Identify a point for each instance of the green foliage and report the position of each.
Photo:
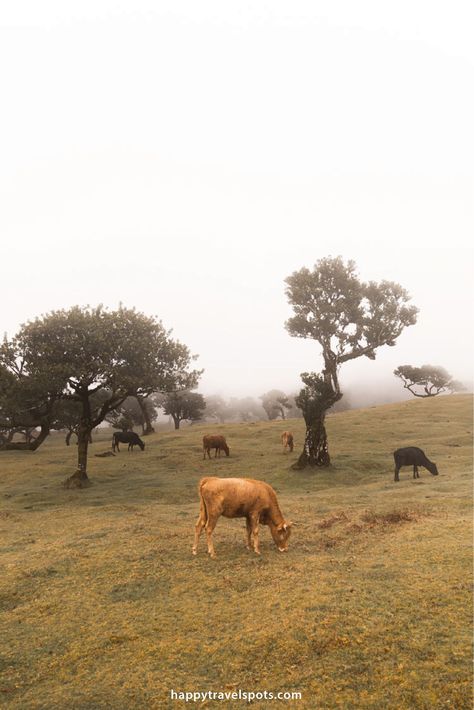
(184, 406)
(97, 358)
(316, 397)
(427, 381)
(347, 317)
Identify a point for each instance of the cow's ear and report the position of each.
(286, 525)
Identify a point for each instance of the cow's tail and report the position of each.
(202, 503)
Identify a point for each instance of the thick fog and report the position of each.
(185, 158)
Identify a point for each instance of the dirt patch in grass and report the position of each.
(331, 520)
(392, 517)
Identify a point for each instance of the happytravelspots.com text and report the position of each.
(198, 696)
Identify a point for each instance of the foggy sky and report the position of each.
(185, 158)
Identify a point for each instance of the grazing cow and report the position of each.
(214, 441)
(126, 437)
(287, 440)
(412, 455)
(255, 501)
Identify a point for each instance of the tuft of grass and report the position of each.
(104, 606)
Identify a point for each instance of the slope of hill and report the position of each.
(105, 607)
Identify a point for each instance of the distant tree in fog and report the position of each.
(275, 404)
(130, 414)
(427, 381)
(293, 412)
(349, 319)
(216, 408)
(245, 409)
(184, 405)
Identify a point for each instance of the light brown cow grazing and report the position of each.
(287, 440)
(214, 441)
(255, 501)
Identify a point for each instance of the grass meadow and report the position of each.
(102, 604)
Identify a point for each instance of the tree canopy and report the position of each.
(78, 353)
(427, 380)
(184, 405)
(349, 319)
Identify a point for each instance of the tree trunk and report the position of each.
(147, 425)
(176, 421)
(315, 451)
(25, 445)
(79, 479)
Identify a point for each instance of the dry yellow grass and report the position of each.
(103, 605)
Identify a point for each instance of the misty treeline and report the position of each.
(75, 369)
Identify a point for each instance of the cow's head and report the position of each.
(226, 449)
(432, 468)
(141, 444)
(281, 534)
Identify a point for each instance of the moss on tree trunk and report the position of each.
(315, 450)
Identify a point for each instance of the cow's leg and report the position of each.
(415, 471)
(248, 525)
(210, 525)
(197, 532)
(397, 470)
(254, 524)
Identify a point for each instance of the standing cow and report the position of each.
(287, 440)
(413, 456)
(126, 437)
(247, 498)
(214, 441)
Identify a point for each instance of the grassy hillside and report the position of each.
(103, 605)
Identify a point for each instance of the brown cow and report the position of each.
(214, 441)
(255, 501)
(287, 440)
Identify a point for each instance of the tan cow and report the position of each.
(255, 501)
(287, 440)
(214, 441)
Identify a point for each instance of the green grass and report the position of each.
(103, 605)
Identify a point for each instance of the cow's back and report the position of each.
(213, 440)
(236, 497)
(409, 455)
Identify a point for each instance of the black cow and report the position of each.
(126, 437)
(413, 456)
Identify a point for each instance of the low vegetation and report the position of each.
(104, 606)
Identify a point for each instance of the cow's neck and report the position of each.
(274, 516)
